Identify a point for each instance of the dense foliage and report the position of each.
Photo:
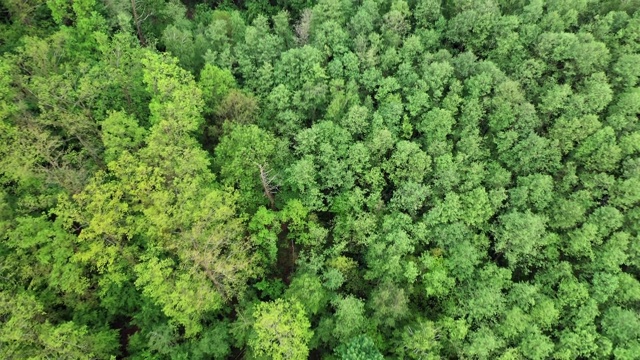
(330, 179)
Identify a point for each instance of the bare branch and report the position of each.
(303, 27)
(268, 184)
(137, 20)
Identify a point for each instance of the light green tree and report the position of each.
(281, 330)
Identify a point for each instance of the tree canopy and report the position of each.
(320, 179)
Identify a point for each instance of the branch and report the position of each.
(137, 21)
(267, 185)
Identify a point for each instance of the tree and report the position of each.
(215, 84)
(473, 24)
(484, 299)
(366, 19)
(483, 343)
(121, 133)
(521, 236)
(427, 12)
(389, 304)
(349, 318)
(419, 340)
(162, 194)
(145, 18)
(593, 149)
(260, 46)
(396, 23)
(307, 290)
(281, 330)
(408, 163)
(26, 334)
(360, 348)
(243, 156)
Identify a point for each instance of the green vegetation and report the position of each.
(324, 179)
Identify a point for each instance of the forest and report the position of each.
(320, 179)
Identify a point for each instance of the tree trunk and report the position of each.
(137, 21)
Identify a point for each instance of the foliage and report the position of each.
(281, 331)
(338, 179)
